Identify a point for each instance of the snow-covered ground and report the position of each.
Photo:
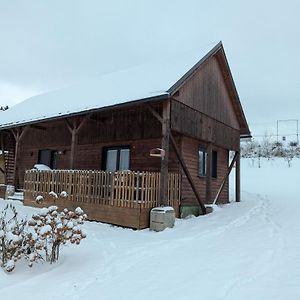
(247, 250)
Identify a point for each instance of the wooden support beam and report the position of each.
(22, 131)
(181, 161)
(187, 173)
(155, 113)
(74, 129)
(18, 134)
(69, 125)
(165, 159)
(226, 177)
(14, 132)
(238, 178)
(83, 121)
(74, 141)
(208, 172)
(39, 127)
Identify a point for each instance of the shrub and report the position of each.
(38, 238)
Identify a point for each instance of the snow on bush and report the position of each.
(38, 238)
(12, 232)
(64, 194)
(39, 199)
(54, 229)
(53, 194)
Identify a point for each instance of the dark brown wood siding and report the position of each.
(190, 154)
(206, 91)
(193, 123)
(139, 130)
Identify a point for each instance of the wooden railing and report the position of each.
(123, 189)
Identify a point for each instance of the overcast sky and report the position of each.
(49, 44)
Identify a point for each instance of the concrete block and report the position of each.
(10, 190)
(161, 218)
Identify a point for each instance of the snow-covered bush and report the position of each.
(54, 229)
(39, 199)
(53, 194)
(64, 194)
(12, 232)
(38, 238)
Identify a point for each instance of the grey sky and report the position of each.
(49, 44)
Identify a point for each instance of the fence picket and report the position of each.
(122, 188)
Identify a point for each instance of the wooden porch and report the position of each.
(123, 198)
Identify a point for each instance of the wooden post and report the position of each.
(165, 160)
(181, 160)
(17, 139)
(238, 178)
(74, 129)
(187, 174)
(226, 177)
(73, 147)
(18, 134)
(208, 172)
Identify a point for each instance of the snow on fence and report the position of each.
(123, 188)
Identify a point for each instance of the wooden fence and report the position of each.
(123, 189)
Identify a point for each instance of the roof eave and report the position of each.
(177, 84)
(161, 97)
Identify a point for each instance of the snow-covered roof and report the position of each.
(137, 83)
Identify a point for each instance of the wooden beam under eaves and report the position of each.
(39, 127)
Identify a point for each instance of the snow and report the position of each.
(46, 229)
(247, 250)
(163, 209)
(53, 194)
(39, 198)
(64, 194)
(41, 167)
(140, 82)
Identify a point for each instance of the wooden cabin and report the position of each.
(129, 141)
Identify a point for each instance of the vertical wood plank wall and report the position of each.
(206, 91)
(190, 154)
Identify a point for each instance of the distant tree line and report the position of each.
(266, 148)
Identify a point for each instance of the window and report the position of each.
(203, 162)
(214, 166)
(116, 158)
(47, 157)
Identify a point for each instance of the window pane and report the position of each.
(214, 164)
(124, 159)
(202, 162)
(111, 160)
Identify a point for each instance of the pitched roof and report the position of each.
(139, 83)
